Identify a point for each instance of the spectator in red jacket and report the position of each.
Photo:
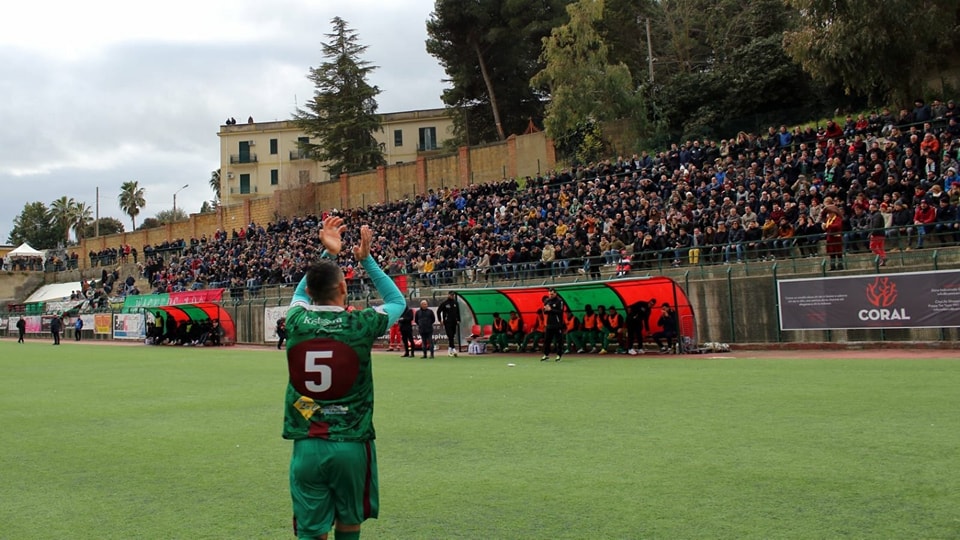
(923, 219)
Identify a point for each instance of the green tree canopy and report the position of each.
(62, 212)
(150, 223)
(107, 226)
(37, 226)
(583, 86)
(215, 186)
(884, 50)
(342, 115)
(172, 216)
(82, 216)
(490, 49)
(131, 200)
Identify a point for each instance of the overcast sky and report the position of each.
(96, 93)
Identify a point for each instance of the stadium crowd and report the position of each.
(698, 202)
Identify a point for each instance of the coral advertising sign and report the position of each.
(910, 300)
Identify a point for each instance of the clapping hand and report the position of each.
(331, 234)
(366, 239)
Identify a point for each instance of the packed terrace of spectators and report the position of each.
(699, 202)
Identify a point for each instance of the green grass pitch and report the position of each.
(145, 442)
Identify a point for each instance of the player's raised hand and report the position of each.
(331, 234)
(366, 240)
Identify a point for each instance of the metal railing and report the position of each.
(242, 158)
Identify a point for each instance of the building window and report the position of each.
(398, 137)
(273, 147)
(274, 177)
(301, 151)
(244, 184)
(428, 139)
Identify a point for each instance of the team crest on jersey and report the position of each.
(306, 407)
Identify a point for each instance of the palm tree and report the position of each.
(131, 200)
(215, 186)
(82, 217)
(61, 210)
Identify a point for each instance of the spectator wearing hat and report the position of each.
(950, 178)
(832, 218)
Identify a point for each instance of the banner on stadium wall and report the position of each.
(88, 321)
(101, 323)
(129, 326)
(270, 317)
(131, 303)
(33, 324)
(45, 324)
(908, 300)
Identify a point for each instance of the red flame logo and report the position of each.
(882, 292)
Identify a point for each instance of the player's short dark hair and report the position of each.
(323, 278)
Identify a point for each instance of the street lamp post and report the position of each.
(185, 186)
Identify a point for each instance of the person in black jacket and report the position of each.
(21, 329)
(553, 310)
(638, 322)
(669, 325)
(56, 325)
(406, 332)
(281, 332)
(425, 319)
(449, 314)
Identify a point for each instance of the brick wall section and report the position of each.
(345, 190)
(511, 157)
(401, 181)
(382, 182)
(488, 163)
(421, 174)
(463, 166)
(443, 171)
(523, 155)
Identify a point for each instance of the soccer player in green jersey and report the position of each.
(329, 400)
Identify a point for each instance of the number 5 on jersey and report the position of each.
(323, 369)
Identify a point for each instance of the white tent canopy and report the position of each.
(54, 292)
(24, 250)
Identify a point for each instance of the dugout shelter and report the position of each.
(197, 313)
(479, 304)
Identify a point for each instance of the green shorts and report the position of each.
(332, 481)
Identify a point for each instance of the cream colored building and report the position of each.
(259, 158)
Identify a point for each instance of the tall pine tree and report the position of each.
(342, 115)
(489, 50)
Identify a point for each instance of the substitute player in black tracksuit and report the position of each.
(449, 314)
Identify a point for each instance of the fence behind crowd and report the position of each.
(737, 303)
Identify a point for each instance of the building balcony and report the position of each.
(242, 158)
(298, 154)
(240, 191)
